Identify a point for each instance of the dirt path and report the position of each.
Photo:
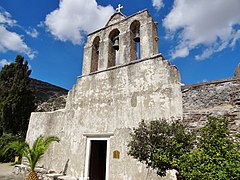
(6, 172)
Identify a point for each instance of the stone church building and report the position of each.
(124, 80)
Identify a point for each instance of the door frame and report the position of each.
(88, 153)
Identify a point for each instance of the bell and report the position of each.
(116, 43)
(97, 49)
(137, 37)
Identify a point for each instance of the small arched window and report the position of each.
(113, 48)
(135, 40)
(95, 54)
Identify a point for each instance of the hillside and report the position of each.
(48, 97)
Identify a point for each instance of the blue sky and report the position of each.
(200, 37)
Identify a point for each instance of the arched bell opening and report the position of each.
(113, 48)
(135, 40)
(95, 54)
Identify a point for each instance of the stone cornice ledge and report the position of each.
(127, 64)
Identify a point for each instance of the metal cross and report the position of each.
(119, 8)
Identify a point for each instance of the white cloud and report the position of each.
(11, 40)
(180, 52)
(74, 18)
(41, 24)
(6, 18)
(32, 32)
(235, 38)
(3, 62)
(201, 23)
(157, 4)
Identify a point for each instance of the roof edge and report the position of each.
(127, 17)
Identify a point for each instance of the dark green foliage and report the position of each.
(16, 98)
(160, 144)
(163, 146)
(5, 140)
(216, 155)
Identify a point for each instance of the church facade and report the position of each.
(124, 80)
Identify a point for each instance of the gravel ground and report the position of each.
(6, 172)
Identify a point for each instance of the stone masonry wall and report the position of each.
(215, 98)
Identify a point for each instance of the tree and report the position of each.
(216, 155)
(160, 144)
(33, 154)
(16, 97)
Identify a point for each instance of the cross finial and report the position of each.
(119, 8)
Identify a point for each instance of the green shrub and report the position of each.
(159, 144)
(216, 155)
(5, 140)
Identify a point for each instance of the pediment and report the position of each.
(116, 17)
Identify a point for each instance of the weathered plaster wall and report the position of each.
(111, 101)
(140, 90)
(216, 98)
(108, 103)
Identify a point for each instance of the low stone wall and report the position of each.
(219, 98)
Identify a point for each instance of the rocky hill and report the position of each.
(48, 97)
